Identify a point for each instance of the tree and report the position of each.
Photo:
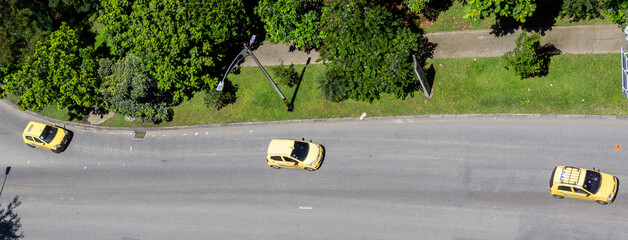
(525, 58)
(10, 222)
(292, 22)
(19, 34)
(516, 9)
(580, 9)
(369, 48)
(179, 42)
(616, 10)
(60, 72)
(128, 90)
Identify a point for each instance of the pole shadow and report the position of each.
(296, 89)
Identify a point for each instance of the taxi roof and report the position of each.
(34, 128)
(281, 146)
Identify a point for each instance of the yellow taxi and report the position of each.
(288, 153)
(584, 184)
(46, 136)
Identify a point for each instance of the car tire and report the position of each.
(310, 169)
(275, 167)
(601, 202)
(30, 145)
(55, 151)
(558, 196)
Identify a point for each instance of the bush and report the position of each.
(285, 75)
(334, 88)
(220, 99)
(525, 58)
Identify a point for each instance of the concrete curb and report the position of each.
(356, 119)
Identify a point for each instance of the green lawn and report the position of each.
(576, 84)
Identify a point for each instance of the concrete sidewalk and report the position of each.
(589, 39)
(586, 39)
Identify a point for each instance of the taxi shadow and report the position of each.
(323, 157)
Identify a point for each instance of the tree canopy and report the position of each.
(178, 41)
(60, 72)
(19, 33)
(516, 9)
(369, 48)
(292, 22)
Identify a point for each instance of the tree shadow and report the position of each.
(76, 112)
(545, 53)
(432, 9)
(426, 51)
(296, 89)
(10, 221)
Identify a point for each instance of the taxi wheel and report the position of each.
(30, 145)
(601, 202)
(558, 196)
(275, 167)
(310, 169)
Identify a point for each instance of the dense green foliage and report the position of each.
(179, 42)
(616, 10)
(24, 23)
(524, 59)
(128, 90)
(580, 9)
(369, 48)
(292, 22)
(516, 9)
(18, 34)
(60, 72)
(10, 221)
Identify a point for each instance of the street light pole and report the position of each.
(6, 173)
(238, 60)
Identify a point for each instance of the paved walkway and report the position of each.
(589, 39)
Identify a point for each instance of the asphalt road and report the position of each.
(392, 178)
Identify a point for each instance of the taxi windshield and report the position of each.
(48, 134)
(592, 181)
(300, 149)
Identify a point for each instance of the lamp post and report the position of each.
(6, 173)
(238, 60)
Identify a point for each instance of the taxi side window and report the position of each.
(564, 188)
(29, 138)
(578, 190)
(276, 158)
(37, 140)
